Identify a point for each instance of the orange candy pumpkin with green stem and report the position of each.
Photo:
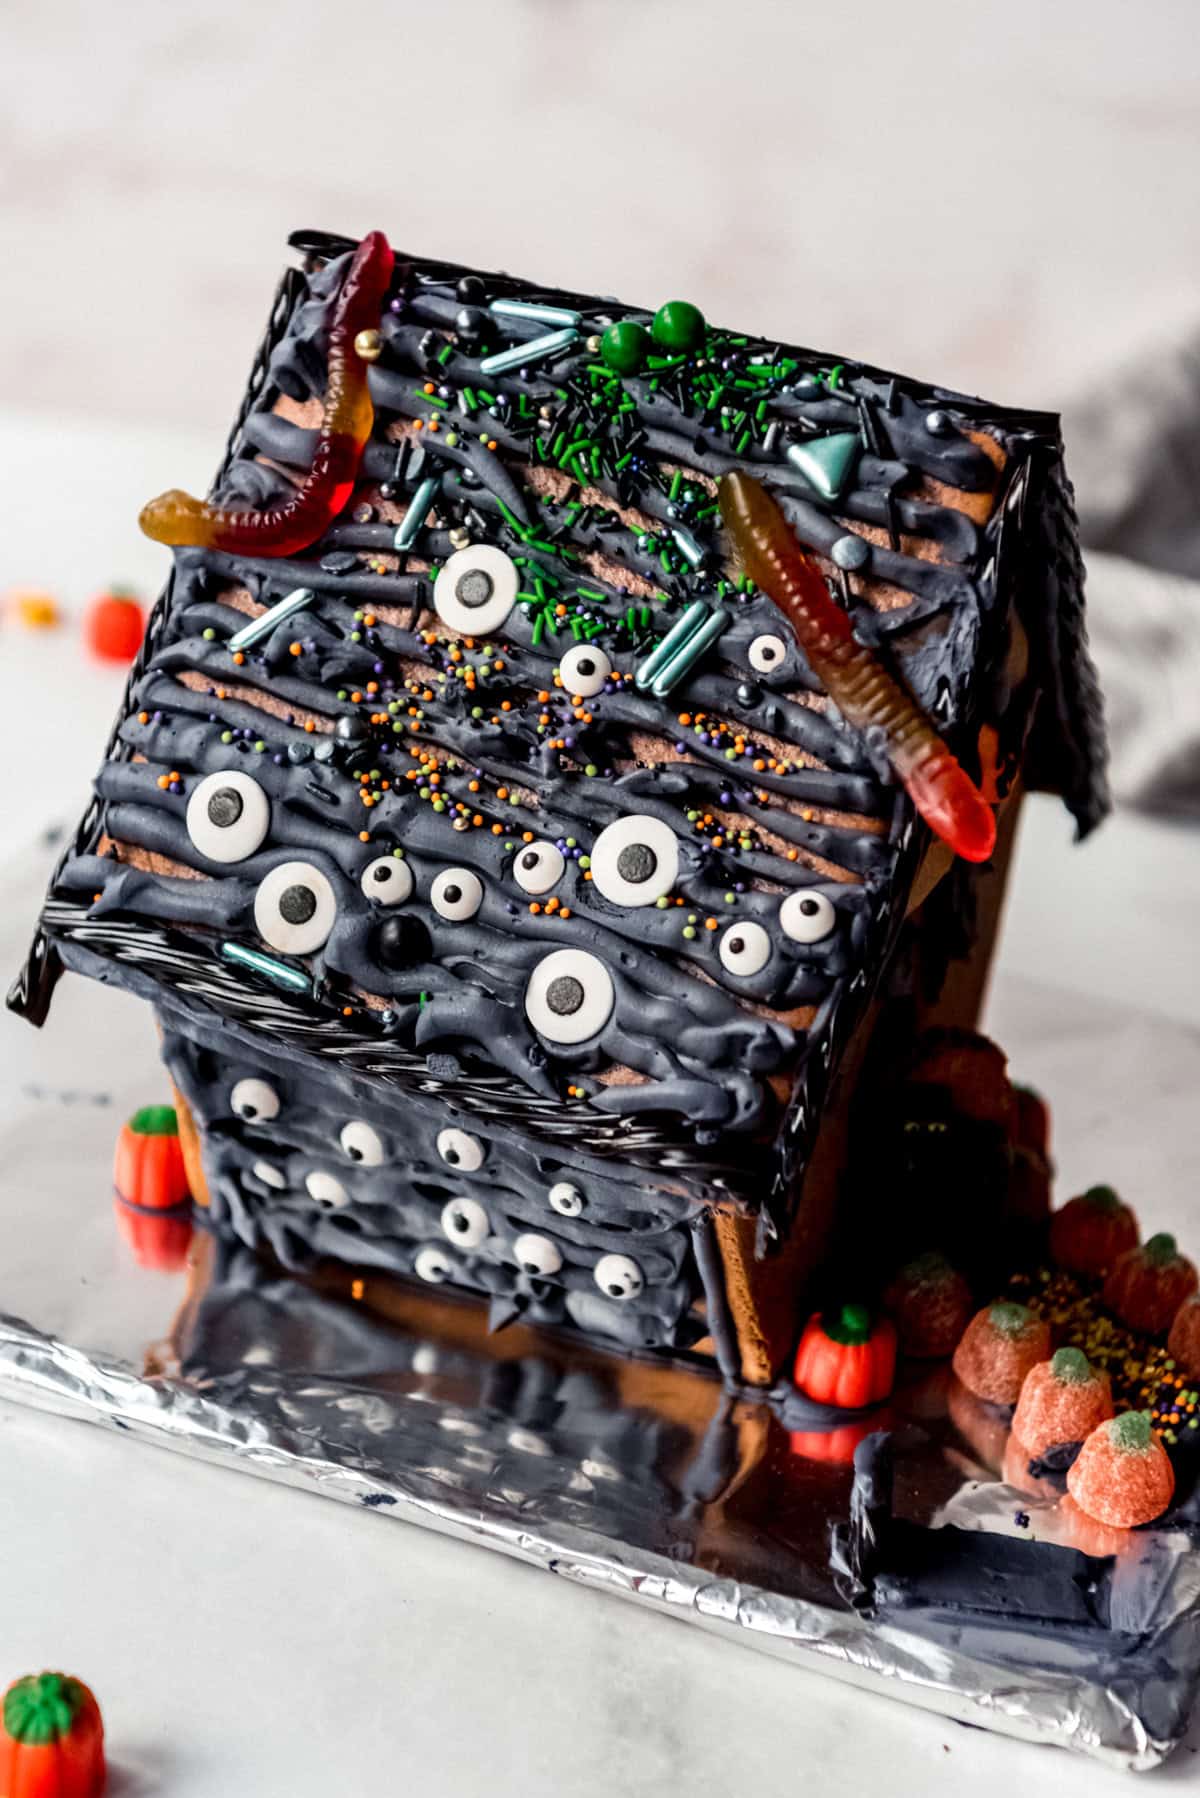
(153, 1200)
(51, 1739)
(999, 1347)
(1148, 1285)
(1122, 1475)
(1091, 1232)
(846, 1360)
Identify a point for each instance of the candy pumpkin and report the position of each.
(999, 1346)
(153, 1204)
(51, 1739)
(1123, 1476)
(845, 1360)
(1091, 1232)
(1062, 1400)
(929, 1302)
(114, 626)
(1183, 1343)
(1148, 1285)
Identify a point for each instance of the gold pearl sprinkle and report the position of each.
(369, 345)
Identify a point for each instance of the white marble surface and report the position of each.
(245, 1638)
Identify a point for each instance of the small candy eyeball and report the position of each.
(807, 916)
(432, 1264)
(537, 1254)
(326, 1190)
(465, 1222)
(361, 1143)
(635, 860)
(274, 1177)
(456, 894)
(228, 816)
(767, 653)
(459, 1149)
(254, 1100)
(570, 996)
(744, 949)
(618, 1277)
(584, 670)
(476, 589)
(566, 1199)
(387, 880)
(537, 867)
(295, 908)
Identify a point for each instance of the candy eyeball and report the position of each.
(537, 867)
(456, 894)
(767, 653)
(744, 949)
(432, 1264)
(618, 1277)
(361, 1143)
(570, 996)
(807, 917)
(228, 816)
(295, 908)
(274, 1177)
(254, 1100)
(635, 861)
(476, 589)
(465, 1222)
(459, 1149)
(387, 880)
(566, 1199)
(537, 1254)
(584, 670)
(326, 1190)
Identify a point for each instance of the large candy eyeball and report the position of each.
(744, 949)
(807, 917)
(255, 1100)
(476, 589)
(295, 908)
(433, 1264)
(537, 867)
(767, 653)
(566, 1199)
(618, 1276)
(274, 1177)
(570, 996)
(635, 861)
(361, 1143)
(456, 894)
(584, 670)
(387, 880)
(326, 1190)
(465, 1222)
(459, 1149)
(537, 1254)
(227, 817)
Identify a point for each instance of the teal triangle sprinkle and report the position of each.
(827, 462)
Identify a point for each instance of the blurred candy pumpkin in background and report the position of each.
(152, 1199)
(114, 625)
(51, 1739)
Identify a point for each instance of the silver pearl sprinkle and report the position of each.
(937, 423)
(850, 551)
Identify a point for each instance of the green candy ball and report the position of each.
(678, 326)
(624, 346)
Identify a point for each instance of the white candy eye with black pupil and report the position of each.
(537, 1254)
(766, 654)
(570, 996)
(387, 880)
(326, 1190)
(807, 917)
(456, 894)
(537, 867)
(227, 817)
(618, 1277)
(465, 1222)
(295, 908)
(566, 1199)
(255, 1100)
(476, 589)
(584, 670)
(744, 949)
(361, 1143)
(433, 1265)
(459, 1149)
(635, 861)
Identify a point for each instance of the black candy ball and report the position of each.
(470, 290)
(402, 941)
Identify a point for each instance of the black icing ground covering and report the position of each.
(379, 951)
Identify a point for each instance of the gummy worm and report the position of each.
(853, 676)
(178, 519)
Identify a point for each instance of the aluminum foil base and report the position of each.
(637, 1478)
